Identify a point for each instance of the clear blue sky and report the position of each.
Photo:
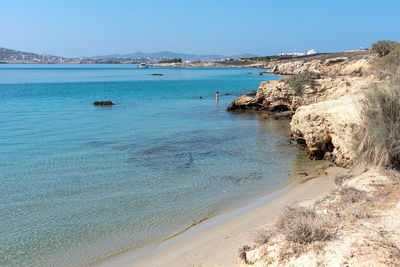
(98, 27)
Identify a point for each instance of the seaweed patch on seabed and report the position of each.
(98, 143)
(175, 155)
(240, 180)
(163, 157)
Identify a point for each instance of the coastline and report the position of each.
(203, 246)
(199, 244)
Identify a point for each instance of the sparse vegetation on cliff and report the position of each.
(383, 48)
(380, 111)
(298, 81)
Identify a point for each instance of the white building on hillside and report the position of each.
(310, 52)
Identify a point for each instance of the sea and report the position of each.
(81, 182)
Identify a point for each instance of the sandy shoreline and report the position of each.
(216, 241)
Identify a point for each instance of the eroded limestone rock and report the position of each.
(327, 128)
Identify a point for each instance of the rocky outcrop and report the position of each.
(278, 96)
(327, 129)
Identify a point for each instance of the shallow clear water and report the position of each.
(79, 181)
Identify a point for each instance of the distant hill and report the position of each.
(168, 54)
(15, 56)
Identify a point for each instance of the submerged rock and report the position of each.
(103, 103)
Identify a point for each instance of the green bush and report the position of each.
(298, 81)
(383, 48)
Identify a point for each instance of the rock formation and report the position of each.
(327, 129)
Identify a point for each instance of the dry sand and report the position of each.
(216, 241)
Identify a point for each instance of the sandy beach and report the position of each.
(216, 241)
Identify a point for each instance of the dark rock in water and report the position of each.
(254, 93)
(284, 114)
(200, 97)
(260, 73)
(226, 94)
(157, 74)
(103, 103)
(249, 73)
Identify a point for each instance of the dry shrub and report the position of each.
(380, 113)
(355, 212)
(298, 81)
(351, 195)
(262, 237)
(353, 204)
(340, 179)
(303, 226)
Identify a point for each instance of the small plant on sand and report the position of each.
(303, 226)
(298, 81)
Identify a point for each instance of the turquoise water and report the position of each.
(79, 181)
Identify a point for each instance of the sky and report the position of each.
(77, 28)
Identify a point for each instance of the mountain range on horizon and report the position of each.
(7, 54)
(169, 55)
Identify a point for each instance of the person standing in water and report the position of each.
(217, 97)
